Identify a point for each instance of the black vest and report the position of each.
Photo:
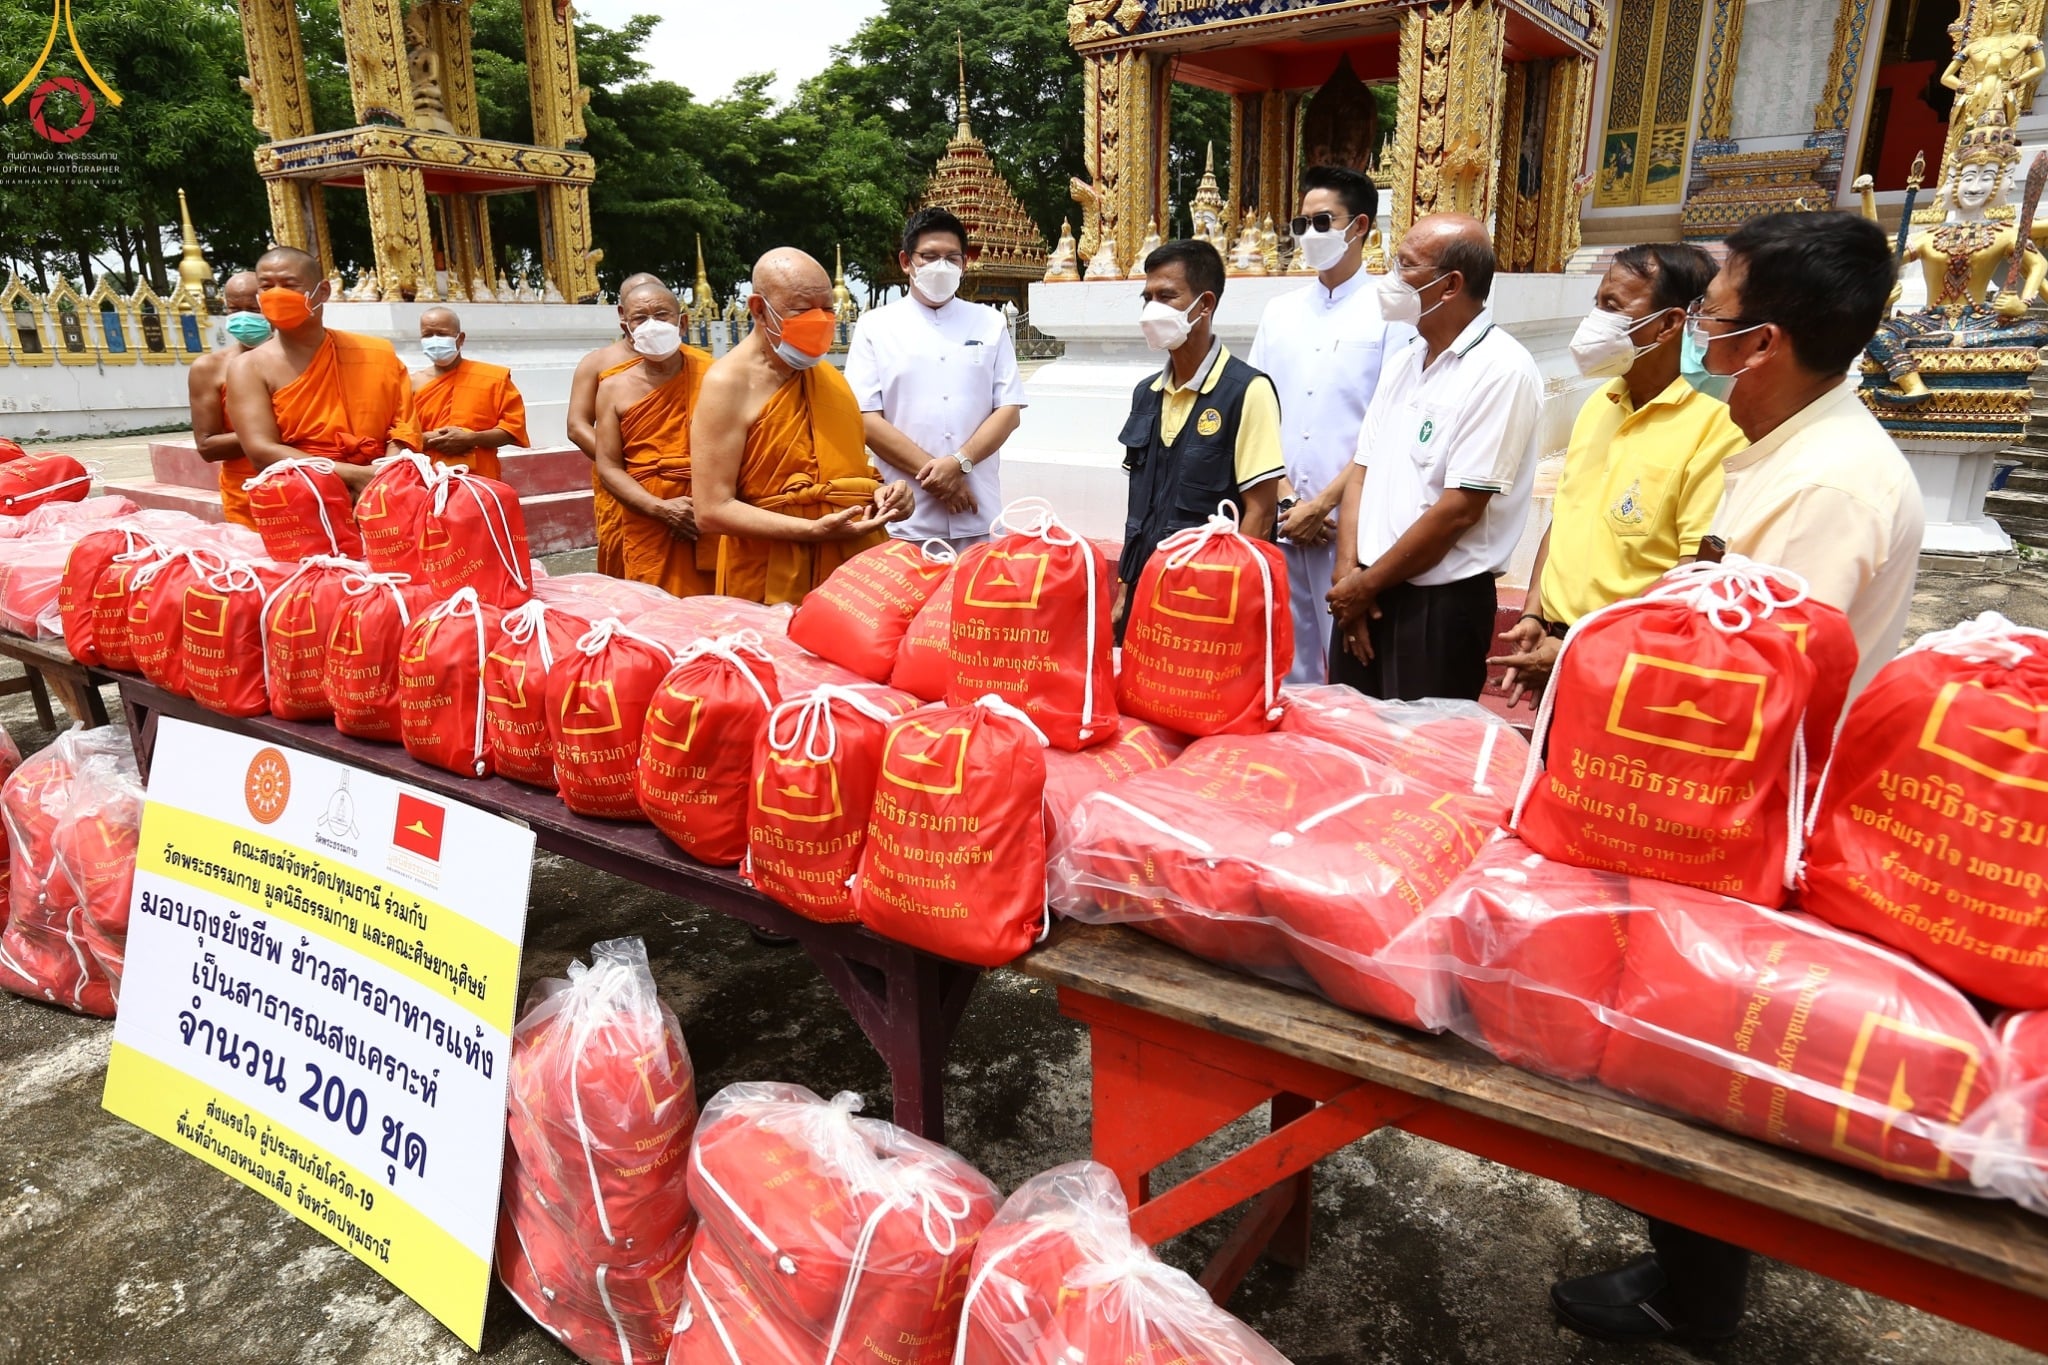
(1177, 486)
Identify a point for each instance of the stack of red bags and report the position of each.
(857, 618)
(72, 812)
(825, 1237)
(1277, 854)
(1059, 1278)
(596, 1219)
(1458, 747)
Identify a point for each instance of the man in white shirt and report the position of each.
(1439, 490)
(939, 392)
(1822, 491)
(1322, 346)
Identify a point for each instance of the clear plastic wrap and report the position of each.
(301, 507)
(1771, 1025)
(597, 596)
(1276, 854)
(31, 579)
(845, 1231)
(598, 695)
(475, 537)
(697, 750)
(107, 507)
(94, 846)
(2003, 1144)
(1058, 1279)
(603, 1105)
(1456, 746)
(676, 621)
(1136, 748)
(858, 616)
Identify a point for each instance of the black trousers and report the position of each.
(1427, 642)
(1709, 1278)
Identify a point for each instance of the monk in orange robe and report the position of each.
(781, 465)
(466, 409)
(207, 391)
(313, 391)
(591, 371)
(643, 450)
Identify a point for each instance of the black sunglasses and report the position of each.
(1320, 222)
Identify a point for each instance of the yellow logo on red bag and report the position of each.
(435, 536)
(927, 760)
(206, 613)
(353, 620)
(665, 701)
(1877, 1071)
(515, 670)
(376, 503)
(1260, 784)
(1994, 732)
(590, 708)
(805, 789)
(294, 617)
(1709, 711)
(1008, 580)
(1797, 630)
(425, 639)
(1200, 592)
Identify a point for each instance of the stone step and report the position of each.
(2022, 513)
(156, 495)
(549, 469)
(2026, 480)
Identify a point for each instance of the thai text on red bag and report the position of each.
(392, 513)
(858, 617)
(697, 752)
(475, 537)
(441, 704)
(597, 708)
(361, 676)
(221, 641)
(301, 507)
(530, 640)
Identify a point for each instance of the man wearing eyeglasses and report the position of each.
(938, 386)
(1322, 346)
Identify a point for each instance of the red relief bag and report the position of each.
(924, 661)
(1781, 1028)
(1058, 1276)
(697, 752)
(475, 537)
(298, 617)
(77, 594)
(726, 1321)
(955, 855)
(156, 613)
(1031, 625)
(1136, 748)
(1455, 746)
(1931, 829)
(301, 508)
(1210, 633)
(93, 847)
(851, 1230)
(598, 695)
(813, 789)
(221, 640)
(441, 685)
(2004, 1143)
(392, 513)
(10, 759)
(1679, 755)
(858, 617)
(361, 675)
(31, 481)
(530, 640)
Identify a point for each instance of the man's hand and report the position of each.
(1358, 639)
(1306, 523)
(1352, 598)
(354, 477)
(1532, 654)
(945, 480)
(1122, 603)
(892, 503)
(679, 515)
(895, 501)
(450, 441)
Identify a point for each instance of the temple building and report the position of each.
(1005, 248)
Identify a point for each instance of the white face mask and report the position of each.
(1324, 249)
(938, 281)
(657, 340)
(1604, 346)
(1401, 301)
(1166, 327)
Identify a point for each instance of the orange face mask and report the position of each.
(809, 331)
(284, 307)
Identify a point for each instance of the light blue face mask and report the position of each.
(249, 328)
(440, 350)
(1692, 367)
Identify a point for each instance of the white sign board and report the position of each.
(323, 969)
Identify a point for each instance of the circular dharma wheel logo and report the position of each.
(37, 116)
(268, 786)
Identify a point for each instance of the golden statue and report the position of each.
(1994, 69)
(1246, 258)
(1269, 246)
(844, 310)
(1205, 212)
(1958, 259)
(1103, 266)
(429, 108)
(1090, 200)
(1064, 263)
(1145, 248)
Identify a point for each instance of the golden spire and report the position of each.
(843, 307)
(193, 268)
(963, 132)
(703, 306)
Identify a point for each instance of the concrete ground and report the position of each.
(116, 1249)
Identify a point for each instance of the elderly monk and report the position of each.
(312, 391)
(466, 408)
(591, 371)
(643, 448)
(207, 390)
(781, 463)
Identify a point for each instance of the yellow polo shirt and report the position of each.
(1640, 488)
(1258, 453)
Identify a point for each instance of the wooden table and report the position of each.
(48, 667)
(1183, 1048)
(907, 1002)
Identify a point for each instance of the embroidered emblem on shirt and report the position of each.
(1428, 430)
(1626, 509)
(1210, 422)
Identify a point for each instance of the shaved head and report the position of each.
(438, 321)
(792, 281)
(239, 291)
(288, 264)
(632, 282)
(649, 299)
(1453, 241)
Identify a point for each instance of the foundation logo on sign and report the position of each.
(61, 108)
(416, 839)
(267, 786)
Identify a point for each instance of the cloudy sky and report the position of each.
(706, 46)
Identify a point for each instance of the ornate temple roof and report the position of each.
(967, 183)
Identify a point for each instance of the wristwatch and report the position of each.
(1285, 506)
(966, 465)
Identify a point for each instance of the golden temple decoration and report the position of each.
(1649, 105)
(1845, 56)
(1064, 261)
(1740, 185)
(1005, 249)
(1269, 246)
(1449, 109)
(1245, 256)
(194, 271)
(1205, 212)
(1145, 249)
(1724, 42)
(844, 310)
(703, 303)
(429, 105)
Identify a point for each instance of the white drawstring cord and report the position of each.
(783, 1262)
(466, 603)
(1034, 517)
(498, 527)
(601, 634)
(529, 623)
(1195, 842)
(813, 719)
(364, 583)
(1987, 638)
(1182, 547)
(732, 1352)
(300, 468)
(938, 552)
(93, 469)
(732, 650)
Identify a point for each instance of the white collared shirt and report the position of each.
(1323, 349)
(935, 374)
(1468, 421)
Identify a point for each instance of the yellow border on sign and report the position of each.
(425, 1261)
(489, 957)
